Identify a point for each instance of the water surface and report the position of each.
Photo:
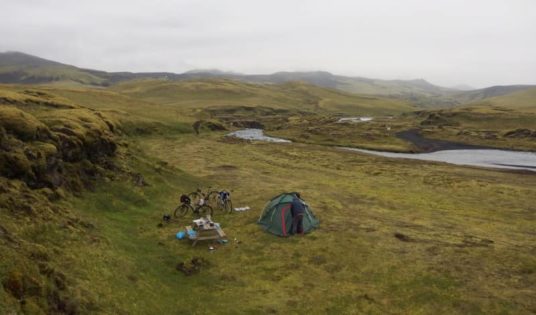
(354, 119)
(255, 134)
(473, 157)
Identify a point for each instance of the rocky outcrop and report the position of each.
(247, 124)
(521, 133)
(438, 119)
(61, 147)
(47, 149)
(208, 125)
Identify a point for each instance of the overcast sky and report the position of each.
(448, 42)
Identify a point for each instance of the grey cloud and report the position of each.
(475, 42)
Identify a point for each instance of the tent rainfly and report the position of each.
(277, 219)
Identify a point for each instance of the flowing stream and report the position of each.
(255, 134)
(473, 157)
(354, 119)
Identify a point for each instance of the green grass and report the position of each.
(487, 127)
(465, 240)
(351, 264)
(378, 134)
(296, 95)
(521, 101)
(63, 74)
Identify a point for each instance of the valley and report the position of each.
(88, 171)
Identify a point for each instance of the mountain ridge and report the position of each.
(17, 67)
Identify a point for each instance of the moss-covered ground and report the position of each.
(396, 236)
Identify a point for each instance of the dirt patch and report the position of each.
(14, 284)
(431, 145)
(473, 241)
(247, 124)
(233, 140)
(521, 133)
(139, 180)
(227, 167)
(193, 266)
(403, 237)
(437, 119)
(200, 125)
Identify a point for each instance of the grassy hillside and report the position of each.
(358, 85)
(135, 115)
(81, 229)
(506, 121)
(294, 95)
(391, 238)
(523, 101)
(468, 97)
(49, 148)
(17, 67)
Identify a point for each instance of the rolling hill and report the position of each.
(16, 67)
(82, 199)
(88, 170)
(520, 99)
(292, 95)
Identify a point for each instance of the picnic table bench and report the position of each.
(213, 233)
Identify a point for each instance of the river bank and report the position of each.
(427, 145)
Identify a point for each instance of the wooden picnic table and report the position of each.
(213, 233)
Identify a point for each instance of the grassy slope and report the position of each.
(378, 134)
(521, 101)
(472, 253)
(52, 73)
(469, 254)
(133, 113)
(53, 146)
(504, 91)
(22, 68)
(488, 122)
(301, 96)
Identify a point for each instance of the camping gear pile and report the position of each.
(203, 229)
(276, 217)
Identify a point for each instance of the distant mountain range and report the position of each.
(16, 67)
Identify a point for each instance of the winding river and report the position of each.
(255, 134)
(472, 157)
(493, 158)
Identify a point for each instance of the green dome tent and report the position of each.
(277, 219)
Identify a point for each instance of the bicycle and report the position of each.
(201, 209)
(209, 197)
(224, 202)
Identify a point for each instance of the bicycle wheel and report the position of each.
(204, 210)
(228, 206)
(181, 210)
(219, 204)
(213, 198)
(195, 197)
